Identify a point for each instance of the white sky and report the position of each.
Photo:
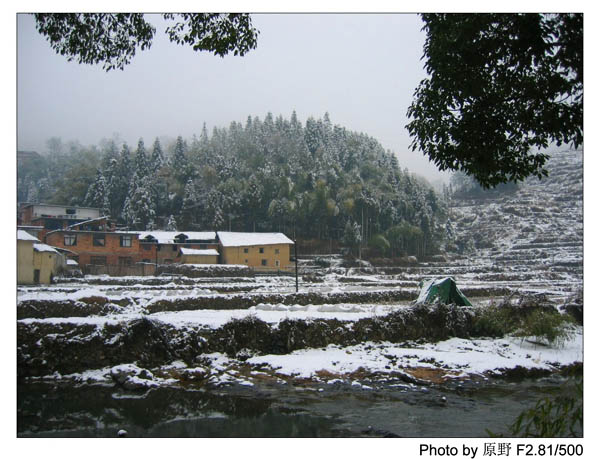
(361, 68)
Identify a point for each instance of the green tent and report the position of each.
(444, 290)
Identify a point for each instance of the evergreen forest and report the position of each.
(313, 181)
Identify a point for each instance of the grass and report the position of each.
(544, 326)
(561, 416)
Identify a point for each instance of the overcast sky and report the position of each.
(360, 68)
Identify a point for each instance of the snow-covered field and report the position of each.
(430, 361)
(527, 243)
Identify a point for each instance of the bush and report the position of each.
(547, 327)
(561, 416)
(493, 321)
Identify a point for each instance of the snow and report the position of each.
(25, 236)
(477, 356)
(71, 262)
(233, 239)
(168, 237)
(425, 290)
(211, 318)
(186, 251)
(44, 248)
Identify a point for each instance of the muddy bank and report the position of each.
(303, 299)
(193, 271)
(103, 306)
(46, 347)
(96, 305)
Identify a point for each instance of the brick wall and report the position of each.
(111, 252)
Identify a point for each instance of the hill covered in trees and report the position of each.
(315, 180)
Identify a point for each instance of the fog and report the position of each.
(362, 69)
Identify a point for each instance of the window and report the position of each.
(263, 262)
(125, 261)
(51, 224)
(70, 239)
(146, 246)
(70, 211)
(174, 248)
(245, 249)
(126, 241)
(246, 261)
(99, 240)
(98, 261)
(276, 251)
(261, 250)
(277, 263)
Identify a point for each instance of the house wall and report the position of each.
(47, 263)
(82, 213)
(200, 259)
(24, 262)
(112, 250)
(169, 253)
(115, 254)
(254, 258)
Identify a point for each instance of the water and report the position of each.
(69, 410)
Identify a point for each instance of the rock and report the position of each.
(132, 377)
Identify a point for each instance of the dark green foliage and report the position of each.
(553, 417)
(219, 33)
(500, 86)
(547, 326)
(544, 324)
(494, 322)
(273, 175)
(113, 39)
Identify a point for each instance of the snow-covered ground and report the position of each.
(532, 243)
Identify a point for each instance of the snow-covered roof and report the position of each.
(44, 248)
(87, 221)
(186, 251)
(168, 237)
(232, 239)
(25, 236)
(72, 262)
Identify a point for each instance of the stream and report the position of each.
(67, 409)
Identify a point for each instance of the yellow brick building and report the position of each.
(260, 251)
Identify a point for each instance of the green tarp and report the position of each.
(443, 290)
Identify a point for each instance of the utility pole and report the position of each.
(296, 261)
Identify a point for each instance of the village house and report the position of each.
(199, 256)
(260, 251)
(37, 263)
(98, 248)
(164, 247)
(52, 217)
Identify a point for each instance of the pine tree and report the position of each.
(157, 158)
(352, 236)
(139, 209)
(95, 196)
(141, 163)
(171, 224)
(179, 162)
(189, 205)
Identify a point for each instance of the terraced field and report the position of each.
(351, 326)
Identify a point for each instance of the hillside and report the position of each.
(314, 180)
(533, 234)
